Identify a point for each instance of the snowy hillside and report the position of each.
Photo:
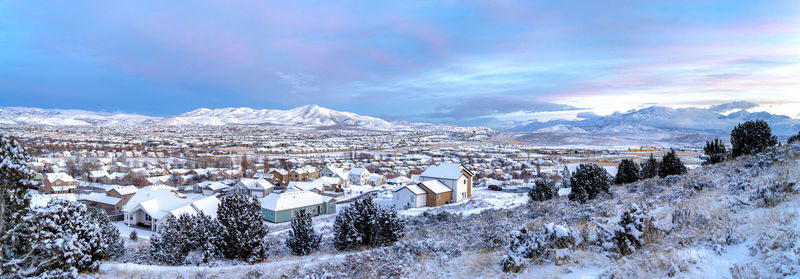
(64, 117)
(736, 219)
(308, 115)
(664, 120)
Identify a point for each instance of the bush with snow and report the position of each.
(302, 238)
(588, 182)
(629, 232)
(649, 168)
(773, 194)
(794, 139)
(543, 246)
(714, 152)
(542, 190)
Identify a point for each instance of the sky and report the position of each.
(497, 63)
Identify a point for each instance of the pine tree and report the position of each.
(670, 165)
(15, 180)
(793, 139)
(169, 245)
(112, 243)
(365, 224)
(302, 238)
(627, 172)
(628, 235)
(649, 168)
(714, 151)
(751, 137)
(588, 182)
(542, 190)
(243, 231)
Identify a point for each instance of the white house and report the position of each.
(359, 176)
(455, 176)
(213, 188)
(335, 172)
(408, 196)
(152, 205)
(258, 188)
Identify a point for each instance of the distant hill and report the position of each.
(308, 115)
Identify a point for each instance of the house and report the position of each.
(124, 193)
(358, 176)
(104, 202)
(335, 172)
(253, 187)
(214, 188)
(100, 176)
(455, 176)
(284, 207)
(59, 183)
(331, 183)
(436, 192)
(152, 205)
(408, 196)
(375, 179)
(279, 176)
(316, 186)
(400, 180)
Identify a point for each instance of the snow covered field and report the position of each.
(722, 221)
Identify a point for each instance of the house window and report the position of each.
(147, 217)
(438, 197)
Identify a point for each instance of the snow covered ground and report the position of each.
(721, 221)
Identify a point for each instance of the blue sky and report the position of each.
(497, 63)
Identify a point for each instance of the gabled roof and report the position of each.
(125, 190)
(435, 186)
(160, 201)
(358, 171)
(280, 171)
(414, 189)
(255, 184)
(445, 171)
(99, 198)
(291, 200)
(52, 177)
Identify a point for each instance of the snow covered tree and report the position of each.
(542, 190)
(15, 180)
(345, 236)
(243, 231)
(112, 243)
(671, 165)
(588, 182)
(61, 240)
(302, 238)
(649, 168)
(795, 138)
(629, 232)
(520, 249)
(170, 245)
(627, 172)
(365, 224)
(714, 152)
(751, 137)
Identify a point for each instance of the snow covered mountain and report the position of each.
(63, 117)
(657, 119)
(303, 115)
(308, 115)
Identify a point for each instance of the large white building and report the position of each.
(152, 205)
(455, 176)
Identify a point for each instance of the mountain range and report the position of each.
(657, 119)
(308, 115)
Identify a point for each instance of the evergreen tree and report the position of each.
(588, 182)
(751, 137)
(112, 243)
(795, 138)
(170, 244)
(649, 167)
(302, 238)
(714, 151)
(627, 172)
(628, 235)
(243, 231)
(542, 190)
(670, 165)
(365, 224)
(188, 239)
(15, 180)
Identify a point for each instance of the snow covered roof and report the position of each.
(98, 173)
(215, 186)
(280, 171)
(160, 201)
(328, 180)
(42, 200)
(436, 186)
(399, 179)
(52, 177)
(306, 186)
(259, 184)
(125, 190)
(357, 171)
(444, 170)
(99, 198)
(291, 200)
(414, 189)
